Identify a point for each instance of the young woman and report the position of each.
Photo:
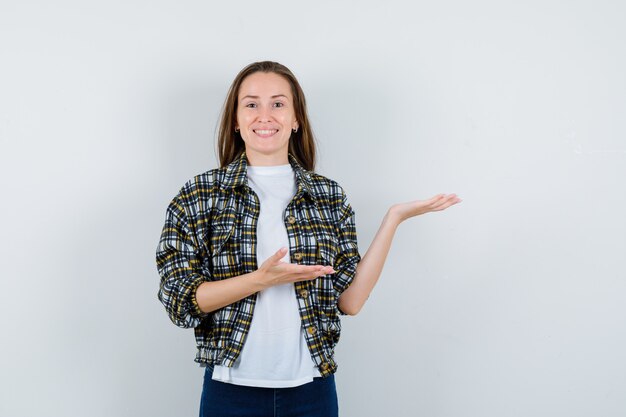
(260, 257)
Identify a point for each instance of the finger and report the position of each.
(433, 199)
(325, 269)
(444, 199)
(304, 269)
(275, 259)
(453, 202)
(318, 272)
(453, 199)
(305, 278)
(298, 269)
(280, 253)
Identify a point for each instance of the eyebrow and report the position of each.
(275, 96)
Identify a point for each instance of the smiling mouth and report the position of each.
(265, 133)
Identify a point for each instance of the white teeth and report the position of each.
(266, 132)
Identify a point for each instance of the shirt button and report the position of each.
(304, 293)
(297, 256)
(291, 219)
(311, 330)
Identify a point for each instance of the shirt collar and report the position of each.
(236, 175)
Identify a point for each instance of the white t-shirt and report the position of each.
(275, 353)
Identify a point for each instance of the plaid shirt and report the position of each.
(210, 234)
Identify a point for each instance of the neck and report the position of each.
(264, 160)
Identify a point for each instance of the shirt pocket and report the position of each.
(327, 251)
(225, 251)
(327, 245)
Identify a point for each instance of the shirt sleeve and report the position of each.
(348, 255)
(179, 263)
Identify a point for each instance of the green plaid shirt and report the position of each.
(210, 234)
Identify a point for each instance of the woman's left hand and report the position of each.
(403, 211)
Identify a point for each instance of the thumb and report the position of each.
(280, 253)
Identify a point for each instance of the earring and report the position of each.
(295, 130)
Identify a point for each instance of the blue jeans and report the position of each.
(314, 399)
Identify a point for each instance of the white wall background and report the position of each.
(509, 304)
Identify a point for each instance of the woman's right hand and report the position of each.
(213, 295)
(275, 272)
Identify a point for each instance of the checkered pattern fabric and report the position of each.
(210, 234)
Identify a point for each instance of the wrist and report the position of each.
(256, 281)
(393, 217)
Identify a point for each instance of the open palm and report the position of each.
(415, 208)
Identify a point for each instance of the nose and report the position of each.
(264, 114)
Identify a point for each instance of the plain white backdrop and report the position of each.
(508, 304)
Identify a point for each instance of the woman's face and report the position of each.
(265, 117)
